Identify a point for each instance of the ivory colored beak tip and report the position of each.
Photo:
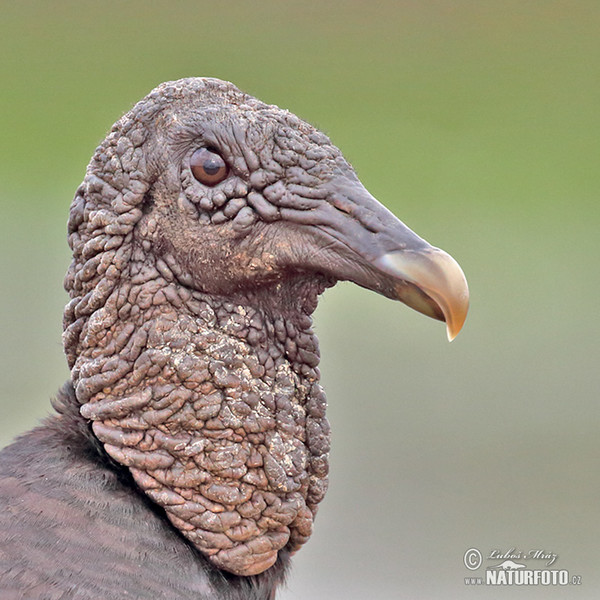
(451, 335)
(443, 285)
(454, 299)
(453, 327)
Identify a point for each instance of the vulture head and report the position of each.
(206, 227)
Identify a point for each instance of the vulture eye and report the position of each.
(208, 167)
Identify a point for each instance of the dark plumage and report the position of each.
(188, 456)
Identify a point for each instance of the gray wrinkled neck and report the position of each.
(215, 408)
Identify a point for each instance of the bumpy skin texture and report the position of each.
(189, 331)
(189, 453)
(74, 526)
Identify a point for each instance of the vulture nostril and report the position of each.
(342, 205)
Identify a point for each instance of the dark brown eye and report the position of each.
(208, 167)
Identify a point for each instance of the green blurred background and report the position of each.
(477, 122)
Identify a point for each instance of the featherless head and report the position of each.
(206, 227)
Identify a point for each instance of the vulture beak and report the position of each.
(376, 250)
(431, 282)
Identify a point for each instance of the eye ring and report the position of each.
(208, 166)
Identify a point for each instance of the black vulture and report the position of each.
(189, 451)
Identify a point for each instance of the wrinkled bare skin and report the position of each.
(189, 330)
(190, 342)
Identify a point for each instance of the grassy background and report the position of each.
(477, 123)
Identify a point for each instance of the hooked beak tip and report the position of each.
(431, 282)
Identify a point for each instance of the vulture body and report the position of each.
(188, 453)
